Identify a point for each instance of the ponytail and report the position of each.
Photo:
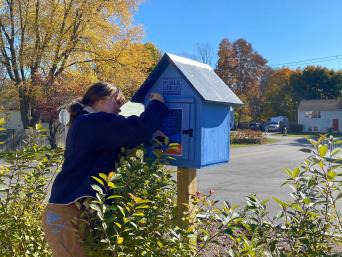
(76, 108)
(93, 94)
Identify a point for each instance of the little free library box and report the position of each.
(200, 107)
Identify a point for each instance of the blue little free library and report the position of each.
(200, 109)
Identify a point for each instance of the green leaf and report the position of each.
(103, 176)
(336, 151)
(133, 224)
(322, 150)
(121, 210)
(160, 244)
(39, 126)
(97, 188)
(111, 185)
(95, 207)
(280, 202)
(138, 214)
(98, 180)
(331, 174)
(118, 224)
(295, 172)
(120, 240)
(142, 207)
(115, 197)
(4, 189)
(338, 142)
(288, 171)
(307, 200)
(231, 253)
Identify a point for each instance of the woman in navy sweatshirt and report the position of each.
(94, 140)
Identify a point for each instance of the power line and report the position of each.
(310, 61)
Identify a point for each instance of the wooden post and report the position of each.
(186, 187)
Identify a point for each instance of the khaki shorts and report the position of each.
(60, 227)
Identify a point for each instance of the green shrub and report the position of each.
(24, 179)
(135, 212)
(308, 225)
(296, 128)
(139, 220)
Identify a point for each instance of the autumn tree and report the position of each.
(278, 97)
(133, 65)
(49, 103)
(46, 38)
(242, 68)
(226, 63)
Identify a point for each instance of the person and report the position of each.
(95, 138)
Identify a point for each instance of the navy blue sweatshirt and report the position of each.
(93, 145)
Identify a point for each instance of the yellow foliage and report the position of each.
(78, 41)
(134, 62)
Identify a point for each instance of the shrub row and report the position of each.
(135, 213)
(247, 136)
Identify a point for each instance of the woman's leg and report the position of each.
(61, 232)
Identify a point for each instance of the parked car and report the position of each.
(255, 125)
(282, 119)
(275, 126)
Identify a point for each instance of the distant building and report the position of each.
(320, 115)
(9, 107)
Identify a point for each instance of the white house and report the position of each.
(9, 109)
(320, 115)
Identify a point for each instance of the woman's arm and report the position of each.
(113, 131)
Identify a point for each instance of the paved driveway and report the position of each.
(254, 169)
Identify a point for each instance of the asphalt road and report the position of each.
(254, 170)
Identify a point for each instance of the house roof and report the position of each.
(320, 105)
(200, 76)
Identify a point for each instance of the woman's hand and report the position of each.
(157, 96)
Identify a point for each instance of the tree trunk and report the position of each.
(29, 116)
(52, 134)
(239, 117)
(24, 104)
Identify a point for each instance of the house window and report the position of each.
(313, 114)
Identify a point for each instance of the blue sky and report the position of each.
(282, 31)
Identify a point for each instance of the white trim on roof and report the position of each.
(189, 61)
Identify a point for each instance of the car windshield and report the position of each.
(273, 122)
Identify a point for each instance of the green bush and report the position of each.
(139, 220)
(308, 225)
(134, 213)
(296, 128)
(24, 179)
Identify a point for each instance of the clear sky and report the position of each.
(283, 31)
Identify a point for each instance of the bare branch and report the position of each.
(204, 53)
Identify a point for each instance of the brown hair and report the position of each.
(93, 94)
